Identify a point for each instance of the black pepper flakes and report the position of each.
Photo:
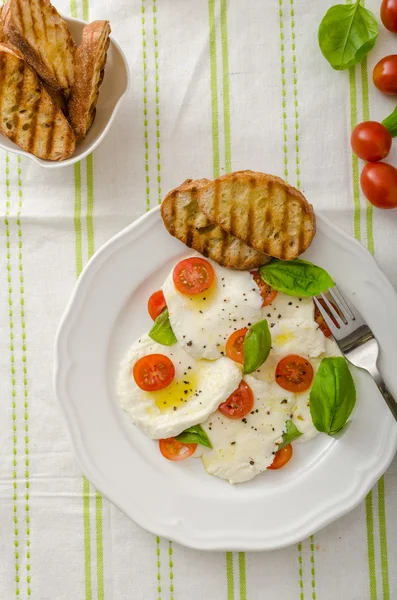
(190, 343)
(252, 462)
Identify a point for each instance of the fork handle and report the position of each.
(390, 401)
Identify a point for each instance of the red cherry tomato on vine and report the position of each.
(385, 74)
(281, 458)
(371, 141)
(379, 184)
(388, 14)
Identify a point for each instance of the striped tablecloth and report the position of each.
(216, 86)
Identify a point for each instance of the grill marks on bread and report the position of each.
(42, 36)
(90, 60)
(184, 220)
(262, 210)
(28, 115)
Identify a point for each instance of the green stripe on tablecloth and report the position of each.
(214, 88)
(158, 567)
(283, 90)
(157, 100)
(383, 539)
(313, 567)
(145, 111)
(230, 575)
(24, 377)
(355, 173)
(371, 545)
(242, 575)
(300, 572)
(171, 571)
(86, 10)
(226, 87)
(365, 105)
(13, 380)
(99, 546)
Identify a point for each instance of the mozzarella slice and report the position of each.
(203, 323)
(198, 388)
(243, 448)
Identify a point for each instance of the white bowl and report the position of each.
(113, 89)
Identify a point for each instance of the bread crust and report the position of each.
(184, 220)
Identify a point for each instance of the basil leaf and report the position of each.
(161, 331)
(257, 344)
(391, 123)
(290, 434)
(346, 34)
(333, 395)
(194, 435)
(296, 277)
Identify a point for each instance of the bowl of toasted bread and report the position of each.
(61, 83)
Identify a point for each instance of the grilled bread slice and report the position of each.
(42, 36)
(28, 115)
(184, 220)
(262, 210)
(90, 60)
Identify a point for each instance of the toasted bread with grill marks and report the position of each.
(36, 28)
(184, 220)
(28, 115)
(262, 210)
(90, 60)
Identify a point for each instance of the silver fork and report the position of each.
(354, 338)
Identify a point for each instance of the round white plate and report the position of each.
(180, 501)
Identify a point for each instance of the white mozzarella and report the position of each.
(297, 336)
(302, 419)
(203, 323)
(243, 448)
(287, 307)
(198, 388)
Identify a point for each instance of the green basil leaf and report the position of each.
(333, 395)
(290, 434)
(391, 123)
(296, 277)
(257, 344)
(161, 331)
(346, 34)
(194, 435)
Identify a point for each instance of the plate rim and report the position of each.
(368, 475)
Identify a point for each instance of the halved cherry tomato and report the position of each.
(174, 450)
(235, 345)
(388, 14)
(294, 373)
(318, 317)
(153, 372)
(371, 141)
(385, 74)
(379, 184)
(239, 403)
(156, 304)
(193, 275)
(268, 293)
(281, 457)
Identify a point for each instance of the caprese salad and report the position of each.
(237, 367)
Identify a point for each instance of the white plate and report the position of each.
(112, 91)
(180, 501)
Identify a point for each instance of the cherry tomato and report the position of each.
(235, 345)
(294, 373)
(156, 304)
(281, 457)
(385, 74)
(318, 317)
(193, 276)
(388, 14)
(153, 372)
(174, 450)
(379, 184)
(268, 293)
(239, 403)
(371, 141)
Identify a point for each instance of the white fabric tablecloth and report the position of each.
(216, 86)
